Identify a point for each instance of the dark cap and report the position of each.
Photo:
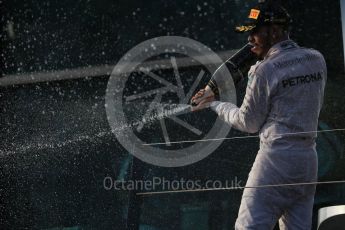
(265, 13)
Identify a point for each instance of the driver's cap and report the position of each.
(263, 14)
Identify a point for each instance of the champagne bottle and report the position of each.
(238, 65)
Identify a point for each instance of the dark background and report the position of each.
(56, 144)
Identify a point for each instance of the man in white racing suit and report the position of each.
(283, 99)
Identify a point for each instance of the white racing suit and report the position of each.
(282, 102)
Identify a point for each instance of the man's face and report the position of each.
(259, 38)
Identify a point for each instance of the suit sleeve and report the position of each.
(254, 110)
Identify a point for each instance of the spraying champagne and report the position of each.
(238, 64)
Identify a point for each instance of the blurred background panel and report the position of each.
(58, 155)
